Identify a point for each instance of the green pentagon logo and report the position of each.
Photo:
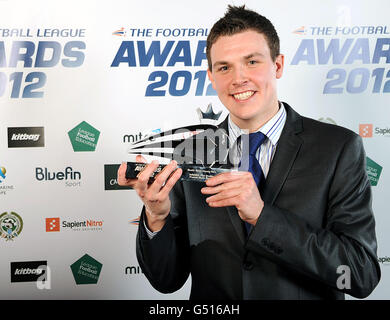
(86, 270)
(84, 137)
(374, 171)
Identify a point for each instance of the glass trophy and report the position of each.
(201, 151)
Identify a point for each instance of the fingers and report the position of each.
(230, 189)
(225, 194)
(164, 192)
(222, 187)
(227, 181)
(121, 176)
(144, 176)
(227, 177)
(229, 202)
(162, 177)
(140, 158)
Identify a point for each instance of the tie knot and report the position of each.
(255, 141)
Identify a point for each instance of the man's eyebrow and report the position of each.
(254, 54)
(251, 55)
(217, 63)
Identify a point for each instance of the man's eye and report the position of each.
(252, 62)
(223, 68)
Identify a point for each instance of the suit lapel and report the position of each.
(232, 211)
(286, 152)
(237, 223)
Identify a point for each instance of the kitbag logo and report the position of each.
(26, 137)
(28, 271)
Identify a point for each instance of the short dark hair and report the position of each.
(240, 19)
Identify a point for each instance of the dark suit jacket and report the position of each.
(317, 217)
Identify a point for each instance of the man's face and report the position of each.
(244, 76)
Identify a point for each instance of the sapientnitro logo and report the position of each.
(53, 225)
(26, 137)
(384, 260)
(27, 271)
(71, 177)
(86, 225)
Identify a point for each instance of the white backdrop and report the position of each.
(96, 70)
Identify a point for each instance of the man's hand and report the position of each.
(156, 195)
(235, 189)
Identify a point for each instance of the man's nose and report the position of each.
(239, 76)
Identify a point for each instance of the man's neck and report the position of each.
(256, 123)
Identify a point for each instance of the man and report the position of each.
(300, 228)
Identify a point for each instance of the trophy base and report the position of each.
(191, 172)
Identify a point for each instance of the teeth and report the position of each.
(244, 95)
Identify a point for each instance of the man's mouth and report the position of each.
(243, 95)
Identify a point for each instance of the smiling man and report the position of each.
(294, 223)
(244, 77)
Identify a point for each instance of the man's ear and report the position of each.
(210, 75)
(279, 63)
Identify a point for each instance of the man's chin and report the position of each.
(243, 117)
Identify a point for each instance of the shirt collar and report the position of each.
(271, 129)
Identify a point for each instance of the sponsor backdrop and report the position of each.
(81, 80)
